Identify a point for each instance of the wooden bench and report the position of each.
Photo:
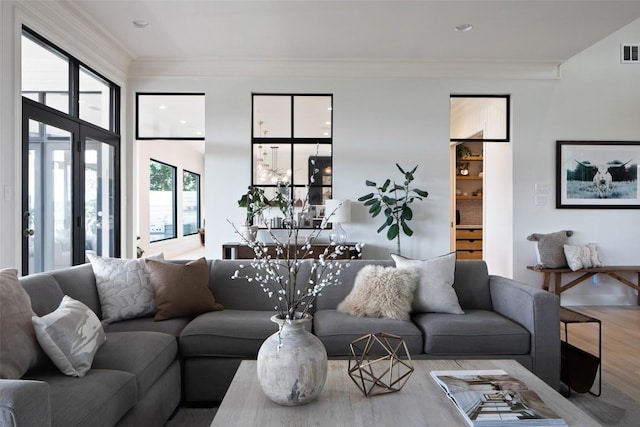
(586, 273)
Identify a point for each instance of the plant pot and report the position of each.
(292, 363)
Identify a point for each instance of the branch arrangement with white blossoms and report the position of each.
(277, 275)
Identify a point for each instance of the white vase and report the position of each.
(249, 232)
(292, 363)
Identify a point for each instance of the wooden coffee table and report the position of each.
(420, 403)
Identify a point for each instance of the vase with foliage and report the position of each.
(292, 363)
(255, 202)
(394, 200)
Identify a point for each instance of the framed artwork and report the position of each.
(597, 174)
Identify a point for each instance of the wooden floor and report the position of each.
(620, 344)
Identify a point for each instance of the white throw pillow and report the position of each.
(582, 256)
(380, 291)
(435, 293)
(70, 336)
(123, 287)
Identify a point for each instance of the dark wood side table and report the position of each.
(578, 367)
(236, 250)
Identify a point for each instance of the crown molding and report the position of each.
(310, 68)
(79, 36)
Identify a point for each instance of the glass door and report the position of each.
(70, 184)
(47, 213)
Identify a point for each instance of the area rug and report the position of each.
(612, 408)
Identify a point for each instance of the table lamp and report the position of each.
(337, 212)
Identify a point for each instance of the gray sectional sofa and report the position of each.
(146, 368)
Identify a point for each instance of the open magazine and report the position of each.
(489, 398)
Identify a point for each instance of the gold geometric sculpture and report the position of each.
(379, 363)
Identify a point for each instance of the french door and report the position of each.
(70, 181)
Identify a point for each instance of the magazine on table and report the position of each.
(488, 398)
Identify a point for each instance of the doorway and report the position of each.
(481, 180)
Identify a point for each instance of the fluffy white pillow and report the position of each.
(70, 336)
(123, 287)
(435, 293)
(582, 256)
(380, 291)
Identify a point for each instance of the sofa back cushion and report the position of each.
(44, 292)
(240, 294)
(334, 294)
(79, 283)
(472, 285)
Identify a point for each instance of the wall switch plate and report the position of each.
(543, 188)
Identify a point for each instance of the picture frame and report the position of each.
(597, 174)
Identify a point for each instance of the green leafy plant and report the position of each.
(393, 200)
(255, 201)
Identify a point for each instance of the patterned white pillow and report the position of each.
(70, 336)
(582, 256)
(123, 287)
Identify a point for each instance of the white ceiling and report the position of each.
(515, 31)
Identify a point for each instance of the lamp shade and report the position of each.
(337, 211)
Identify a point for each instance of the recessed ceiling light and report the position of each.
(463, 27)
(140, 23)
(183, 122)
(162, 107)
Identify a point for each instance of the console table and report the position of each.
(236, 250)
(586, 273)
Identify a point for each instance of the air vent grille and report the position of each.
(629, 54)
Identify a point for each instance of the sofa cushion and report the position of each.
(435, 293)
(79, 283)
(145, 354)
(44, 292)
(70, 336)
(170, 326)
(181, 290)
(471, 284)
(478, 332)
(381, 292)
(337, 330)
(233, 333)
(124, 288)
(18, 345)
(100, 398)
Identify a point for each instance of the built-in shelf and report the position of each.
(468, 197)
(471, 159)
(466, 177)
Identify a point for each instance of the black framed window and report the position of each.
(70, 159)
(162, 201)
(480, 118)
(170, 116)
(291, 146)
(190, 202)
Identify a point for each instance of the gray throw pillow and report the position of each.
(70, 336)
(380, 291)
(435, 293)
(123, 287)
(550, 248)
(18, 345)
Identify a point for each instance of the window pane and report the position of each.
(272, 164)
(99, 176)
(303, 154)
(170, 116)
(190, 203)
(162, 185)
(94, 99)
(47, 72)
(271, 116)
(312, 116)
(479, 118)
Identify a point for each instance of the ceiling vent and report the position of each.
(629, 54)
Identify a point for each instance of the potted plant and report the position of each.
(395, 199)
(255, 201)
